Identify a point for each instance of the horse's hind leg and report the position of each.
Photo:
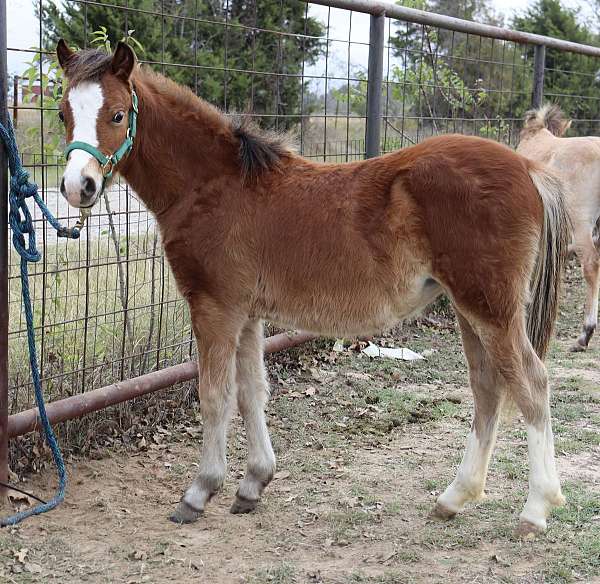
(502, 363)
(253, 393)
(590, 262)
(533, 399)
(217, 334)
(526, 382)
(488, 393)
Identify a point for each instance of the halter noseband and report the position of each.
(109, 163)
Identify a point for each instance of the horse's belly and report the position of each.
(348, 311)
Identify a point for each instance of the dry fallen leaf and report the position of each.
(33, 568)
(349, 502)
(359, 376)
(282, 474)
(496, 558)
(138, 555)
(21, 555)
(20, 499)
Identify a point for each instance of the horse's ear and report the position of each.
(64, 53)
(123, 61)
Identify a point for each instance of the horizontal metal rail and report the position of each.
(378, 8)
(103, 397)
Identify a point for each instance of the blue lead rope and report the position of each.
(22, 226)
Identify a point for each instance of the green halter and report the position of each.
(109, 163)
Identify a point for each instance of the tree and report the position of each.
(568, 75)
(409, 36)
(222, 49)
(450, 81)
(478, 85)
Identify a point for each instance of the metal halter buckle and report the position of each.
(108, 167)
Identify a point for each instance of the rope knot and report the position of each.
(20, 184)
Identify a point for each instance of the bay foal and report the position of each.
(253, 231)
(577, 161)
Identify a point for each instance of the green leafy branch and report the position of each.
(101, 39)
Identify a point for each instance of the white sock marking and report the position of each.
(544, 484)
(470, 478)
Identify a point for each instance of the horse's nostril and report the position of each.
(89, 186)
(62, 187)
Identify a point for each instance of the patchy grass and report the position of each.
(389, 577)
(284, 573)
(577, 526)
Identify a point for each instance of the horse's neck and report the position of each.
(182, 143)
(537, 145)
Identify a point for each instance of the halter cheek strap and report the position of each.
(109, 163)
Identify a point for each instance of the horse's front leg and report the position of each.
(253, 394)
(217, 333)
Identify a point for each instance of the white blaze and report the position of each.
(86, 100)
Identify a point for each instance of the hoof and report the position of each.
(185, 513)
(560, 500)
(577, 348)
(442, 512)
(528, 531)
(243, 505)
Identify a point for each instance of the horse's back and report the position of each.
(365, 239)
(576, 160)
(482, 216)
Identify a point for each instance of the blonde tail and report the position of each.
(547, 275)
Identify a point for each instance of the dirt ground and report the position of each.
(364, 447)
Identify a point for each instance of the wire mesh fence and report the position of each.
(440, 81)
(106, 306)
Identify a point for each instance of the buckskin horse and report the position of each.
(577, 160)
(254, 231)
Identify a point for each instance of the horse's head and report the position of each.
(99, 110)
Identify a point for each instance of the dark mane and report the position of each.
(87, 65)
(260, 150)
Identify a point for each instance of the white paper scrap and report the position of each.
(404, 354)
(339, 345)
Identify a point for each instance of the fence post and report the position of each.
(375, 82)
(15, 119)
(539, 62)
(3, 257)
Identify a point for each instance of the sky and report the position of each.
(23, 30)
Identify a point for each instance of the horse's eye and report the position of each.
(61, 116)
(118, 117)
